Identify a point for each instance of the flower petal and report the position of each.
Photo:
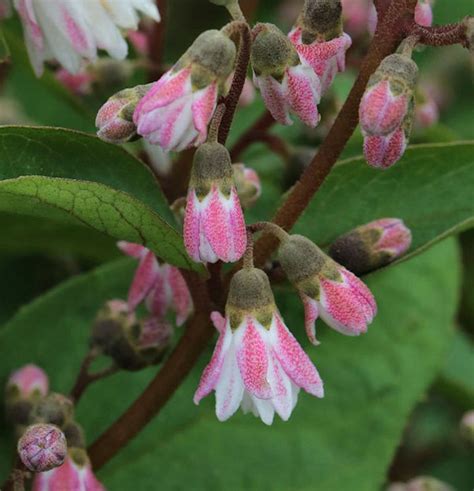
(311, 314)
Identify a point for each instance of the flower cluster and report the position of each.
(51, 443)
(71, 32)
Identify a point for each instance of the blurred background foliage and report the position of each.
(395, 397)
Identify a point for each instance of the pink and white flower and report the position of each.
(286, 84)
(29, 380)
(161, 285)
(327, 289)
(74, 475)
(257, 364)
(326, 58)
(214, 224)
(176, 112)
(71, 32)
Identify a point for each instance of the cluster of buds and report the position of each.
(387, 109)
(71, 32)
(51, 443)
(214, 225)
(372, 246)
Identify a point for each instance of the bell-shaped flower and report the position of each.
(286, 84)
(214, 225)
(372, 245)
(327, 289)
(75, 474)
(73, 31)
(163, 286)
(176, 112)
(319, 39)
(257, 363)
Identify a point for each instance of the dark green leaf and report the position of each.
(4, 50)
(69, 176)
(348, 437)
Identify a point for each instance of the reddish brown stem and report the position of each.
(386, 40)
(249, 8)
(262, 125)
(163, 386)
(440, 35)
(232, 99)
(156, 42)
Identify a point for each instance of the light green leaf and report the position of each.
(75, 178)
(431, 189)
(372, 383)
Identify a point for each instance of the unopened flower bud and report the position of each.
(327, 289)
(467, 426)
(55, 409)
(424, 13)
(284, 81)
(74, 434)
(426, 107)
(78, 83)
(320, 20)
(388, 96)
(152, 340)
(248, 185)
(27, 382)
(42, 447)
(371, 246)
(115, 118)
(75, 474)
(214, 226)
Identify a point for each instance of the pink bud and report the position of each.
(79, 83)
(248, 185)
(424, 13)
(384, 151)
(42, 447)
(75, 474)
(356, 15)
(28, 381)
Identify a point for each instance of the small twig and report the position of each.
(85, 378)
(440, 35)
(232, 98)
(216, 123)
(261, 126)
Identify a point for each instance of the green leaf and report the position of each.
(372, 383)
(75, 178)
(4, 50)
(430, 189)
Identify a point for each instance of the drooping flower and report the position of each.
(42, 447)
(28, 381)
(320, 41)
(177, 110)
(257, 363)
(248, 185)
(163, 286)
(286, 84)
(214, 225)
(372, 245)
(327, 289)
(74, 475)
(71, 32)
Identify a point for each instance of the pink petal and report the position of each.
(191, 227)
(134, 250)
(311, 314)
(90, 481)
(294, 360)
(204, 105)
(157, 300)
(281, 387)
(180, 295)
(252, 358)
(219, 321)
(384, 151)
(144, 280)
(304, 91)
(213, 370)
(237, 227)
(273, 94)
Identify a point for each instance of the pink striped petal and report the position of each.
(144, 280)
(281, 387)
(384, 151)
(157, 300)
(204, 105)
(304, 91)
(294, 360)
(252, 358)
(213, 370)
(237, 227)
(180, 295)
(311, 314)
(191, 227)
(219, 321)
(133, 250)
(273, 94)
